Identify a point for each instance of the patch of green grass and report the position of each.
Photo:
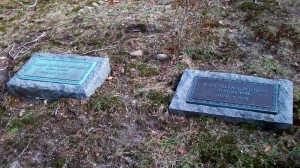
(23, 59)
(120, 57)
(145, 70)
(265, 67)
(43, 3)
(200, 54)
(221, 152)
(3, 26)
(179, 66)
(18, 123)
(106, 104)
(209, 149)
(55, 42)
(169, 141)
(76, 8)
(248, 127)
(2, 110)
(247, 5)
(156, 99)
(91, 41)
(58, 161)
(90, 2)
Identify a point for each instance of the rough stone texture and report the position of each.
(162, 57)
(283, 120)
(137, 53)
(53, 91)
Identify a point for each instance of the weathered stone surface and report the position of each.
(162, 57)
(137, 53)
(281, 120)
(51, 76)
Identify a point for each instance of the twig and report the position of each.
(101, 49)
(56, 110)
(28, 6)
(26, 147)
(27, 50)
(37, 39)
(5, 49)
(29, 144)
(175, 15)
(67, 161)
(9, 52)
(24, 46)
(183, 21)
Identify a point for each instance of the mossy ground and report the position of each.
(126, 122)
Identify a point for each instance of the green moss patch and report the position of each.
(18, 123)
(144, 70)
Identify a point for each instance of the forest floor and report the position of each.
(126, 123)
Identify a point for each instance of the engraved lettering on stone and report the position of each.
(236, 94)
(60, 71)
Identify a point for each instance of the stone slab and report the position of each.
(52, 76)
(278, 115)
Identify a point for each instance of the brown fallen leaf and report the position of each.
(22, 111)
(182, 150)
(268, 147)
(110, 78)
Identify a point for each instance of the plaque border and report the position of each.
(56, 80)
(273, 110)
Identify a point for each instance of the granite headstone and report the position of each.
(236, 98)
(51, 76)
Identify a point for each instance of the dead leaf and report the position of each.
(121, 70)
(110, 78)
(21, 112)
(268, 147)
(182, 150)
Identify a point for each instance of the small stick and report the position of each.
(9, 52)
(29, 144)
(23, 46)
(43, 34)
(101, 49)
(28, 6)
(56, 110)
(26, 147)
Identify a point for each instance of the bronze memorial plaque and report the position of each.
(237, 94)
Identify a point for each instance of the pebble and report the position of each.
(268, 56)
(137, 53)
(168, 7)
(88, 8)
(95, 5)
(81, 11)
(162, 57)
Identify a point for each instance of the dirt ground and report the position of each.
(126, 123)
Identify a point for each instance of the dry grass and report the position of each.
(126, 122)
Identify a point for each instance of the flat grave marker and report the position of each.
(51, 76)
(234, 94)
(236, 98)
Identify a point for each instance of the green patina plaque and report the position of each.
(65, 71)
